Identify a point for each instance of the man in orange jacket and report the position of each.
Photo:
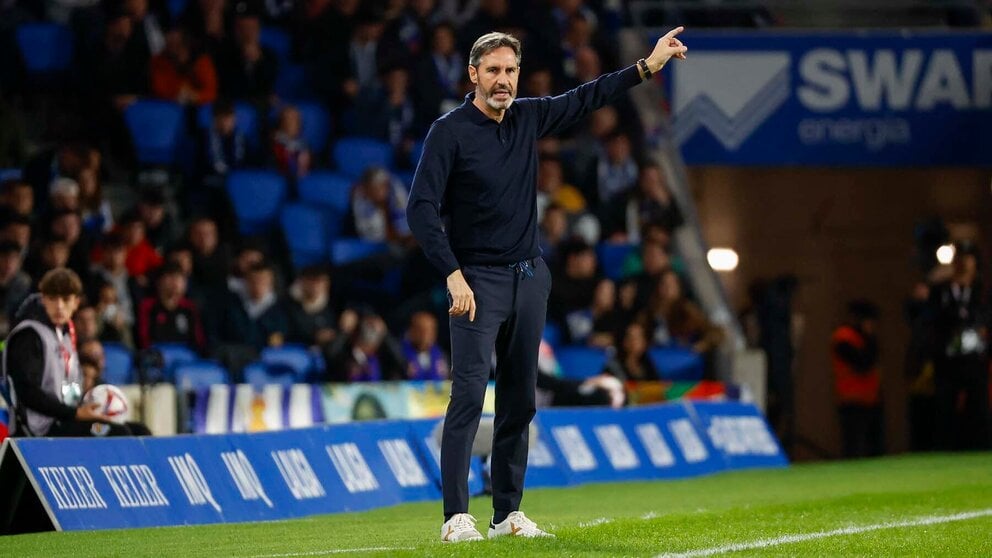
(857, 381)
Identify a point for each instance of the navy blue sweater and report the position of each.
(474, 195)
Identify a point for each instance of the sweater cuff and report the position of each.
(631, 76)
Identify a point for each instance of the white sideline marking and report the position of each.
(334, 551)
(803, 537)
(595, 522)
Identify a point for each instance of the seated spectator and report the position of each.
(553, 229)
(63, 193)
(436, 75)
(170, 317)
(117, 65)
(256, 318)
(616, 170)
(424, 358)
(113, 325)
(18, 196)
(378, 207)
(95, 210)
(368, 354)
(311, 318)
(638, 288)
(112, 270)
(50, 254)
(676, 319)
(86, 322)
(91, 374)
(160, 227)
(17, 229)
(211, 258)
(551, 188)
(289, 148)
(632, 362)
(388, 113)
(15, 285)
(247, 69)
(181, 75)
(67, 225)
(249, 255)
(142, 258)
(222, 147)
(575, 280)
(649, 202)
(599, 325)
(92, 350)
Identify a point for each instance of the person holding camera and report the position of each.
(960, 321)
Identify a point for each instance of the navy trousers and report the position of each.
(511, 305)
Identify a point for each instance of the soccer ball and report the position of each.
(112, 400)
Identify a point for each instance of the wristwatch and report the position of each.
(643, 65)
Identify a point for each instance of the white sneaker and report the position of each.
(461, 527)
(517, 525)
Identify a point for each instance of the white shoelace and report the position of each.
(462, 522)
(521, 520)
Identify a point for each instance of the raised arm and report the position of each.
(557, 113)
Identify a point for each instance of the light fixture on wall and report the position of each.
(722, 259)
(945, 254)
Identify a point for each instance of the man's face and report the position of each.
(423, 331)
(86, 323)
(259, 284)
(313, 287)
(203, 237)
(151, 214)
(444, 41)
(496, 78)
(225, 124)
(60, 308)
(21, 199)
(94, 350)
(68, 227)
(115, 258)
(55, 254)
(19, 233)
(10, 264)
(247, 30)
(171, 286)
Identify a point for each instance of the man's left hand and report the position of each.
(667, 47)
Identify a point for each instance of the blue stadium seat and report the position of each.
(611, 257)
(46, 48)
(278, 41)
(291, 82)
(677, 363)
(580, 362)
(246, 121)
(120, 364)
(10, 174)
(174, 354)
(328, 189)
(293, 356)
(257, 196)
(306, 231)
(156, 129)
(316, 125)
(260, 374)
(348, 250)
(552, 334)
(200, 374)
(353, 155)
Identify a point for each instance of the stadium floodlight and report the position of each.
(722, 259)
(945, 254)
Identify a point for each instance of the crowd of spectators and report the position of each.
(174, 266)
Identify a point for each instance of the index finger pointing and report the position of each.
(674, 32)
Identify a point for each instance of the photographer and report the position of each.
(960, 354)
(43, 366)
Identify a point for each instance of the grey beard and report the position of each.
(499, 105)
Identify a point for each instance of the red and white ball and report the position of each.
(113, 403)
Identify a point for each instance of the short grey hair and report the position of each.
(490, 42)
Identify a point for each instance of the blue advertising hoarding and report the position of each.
(107, 483)
(845, 98)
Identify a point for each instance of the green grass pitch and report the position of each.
(928, 505)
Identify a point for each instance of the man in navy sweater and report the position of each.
(473, 210)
